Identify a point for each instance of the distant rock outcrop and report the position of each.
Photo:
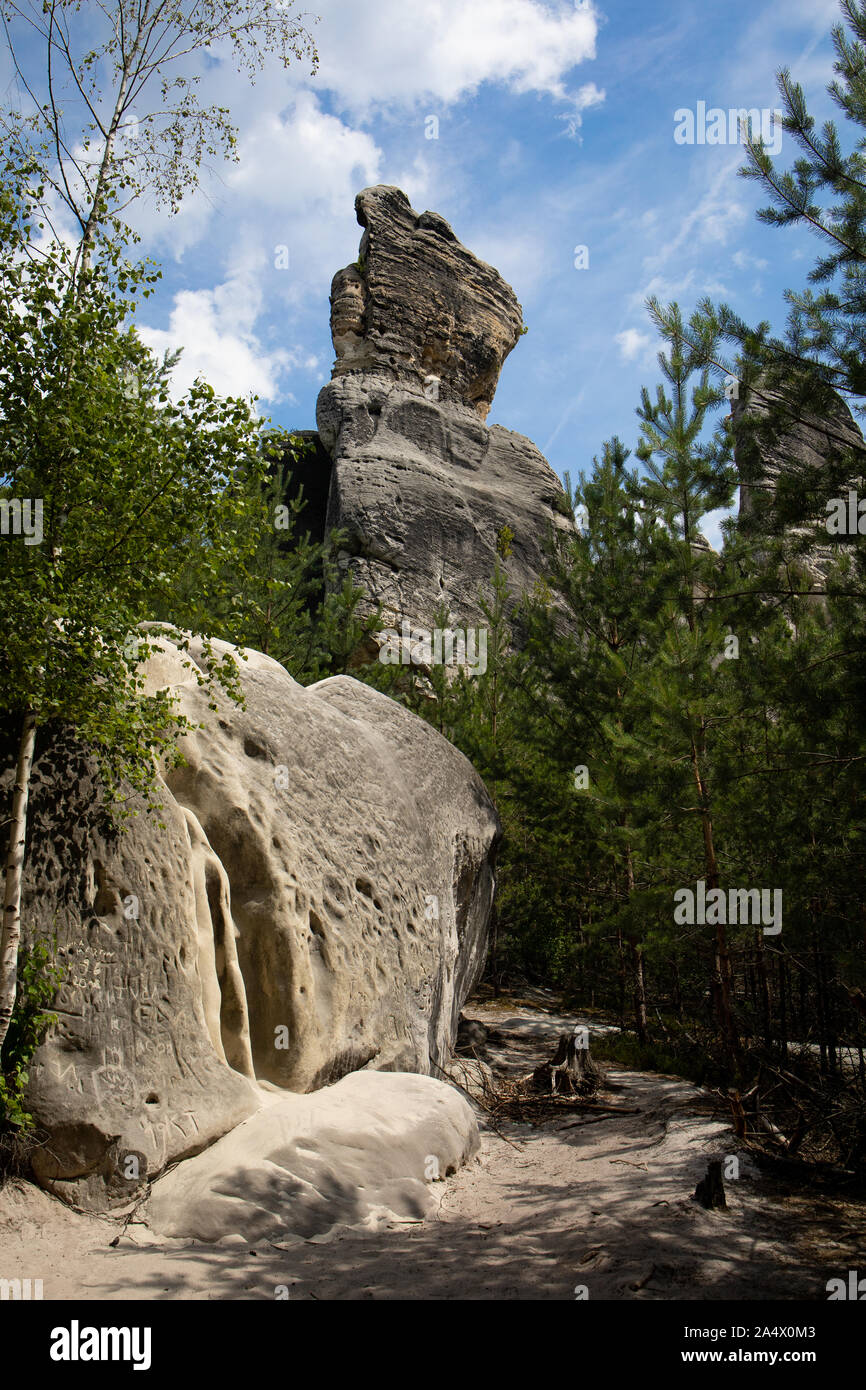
(312, 899)
(423, 489)
(774, 436)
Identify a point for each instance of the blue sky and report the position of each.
(556, 129)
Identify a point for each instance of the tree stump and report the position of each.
(710, 1191)
(571, 1070)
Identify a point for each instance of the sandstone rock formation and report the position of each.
(786, 439)
(313, 898)
(368, 1148)
(418, 306)
(420, 484)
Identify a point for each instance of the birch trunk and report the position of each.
(11, 930)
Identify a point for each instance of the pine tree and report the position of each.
(283, 593)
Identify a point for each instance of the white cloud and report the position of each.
(633, 344)
(589, 95)
(305, 150)
(304, 156)
(521, 256)
(216, 329)
(711, 523)
(744, 260)
(297, 168)
(694, 285)
(444, 50)
(713, 218)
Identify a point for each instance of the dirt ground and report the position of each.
(601, 1203)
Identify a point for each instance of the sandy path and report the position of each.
(605, 1204)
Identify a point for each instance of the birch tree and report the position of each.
(119, 477)
(108, 107)
(109, 96)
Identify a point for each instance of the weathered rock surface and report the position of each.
(368, 1148)
(419, 483)
(134, 1075)
(796, 442)
(313, 898)
(417, 305)
(424, 491)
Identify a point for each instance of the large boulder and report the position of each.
(312, 898)
(425, 492)
(366, 1149)
(135, 1074)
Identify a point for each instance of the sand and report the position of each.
(599, 1207)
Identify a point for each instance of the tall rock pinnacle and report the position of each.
(417, 305)
(423, 489)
